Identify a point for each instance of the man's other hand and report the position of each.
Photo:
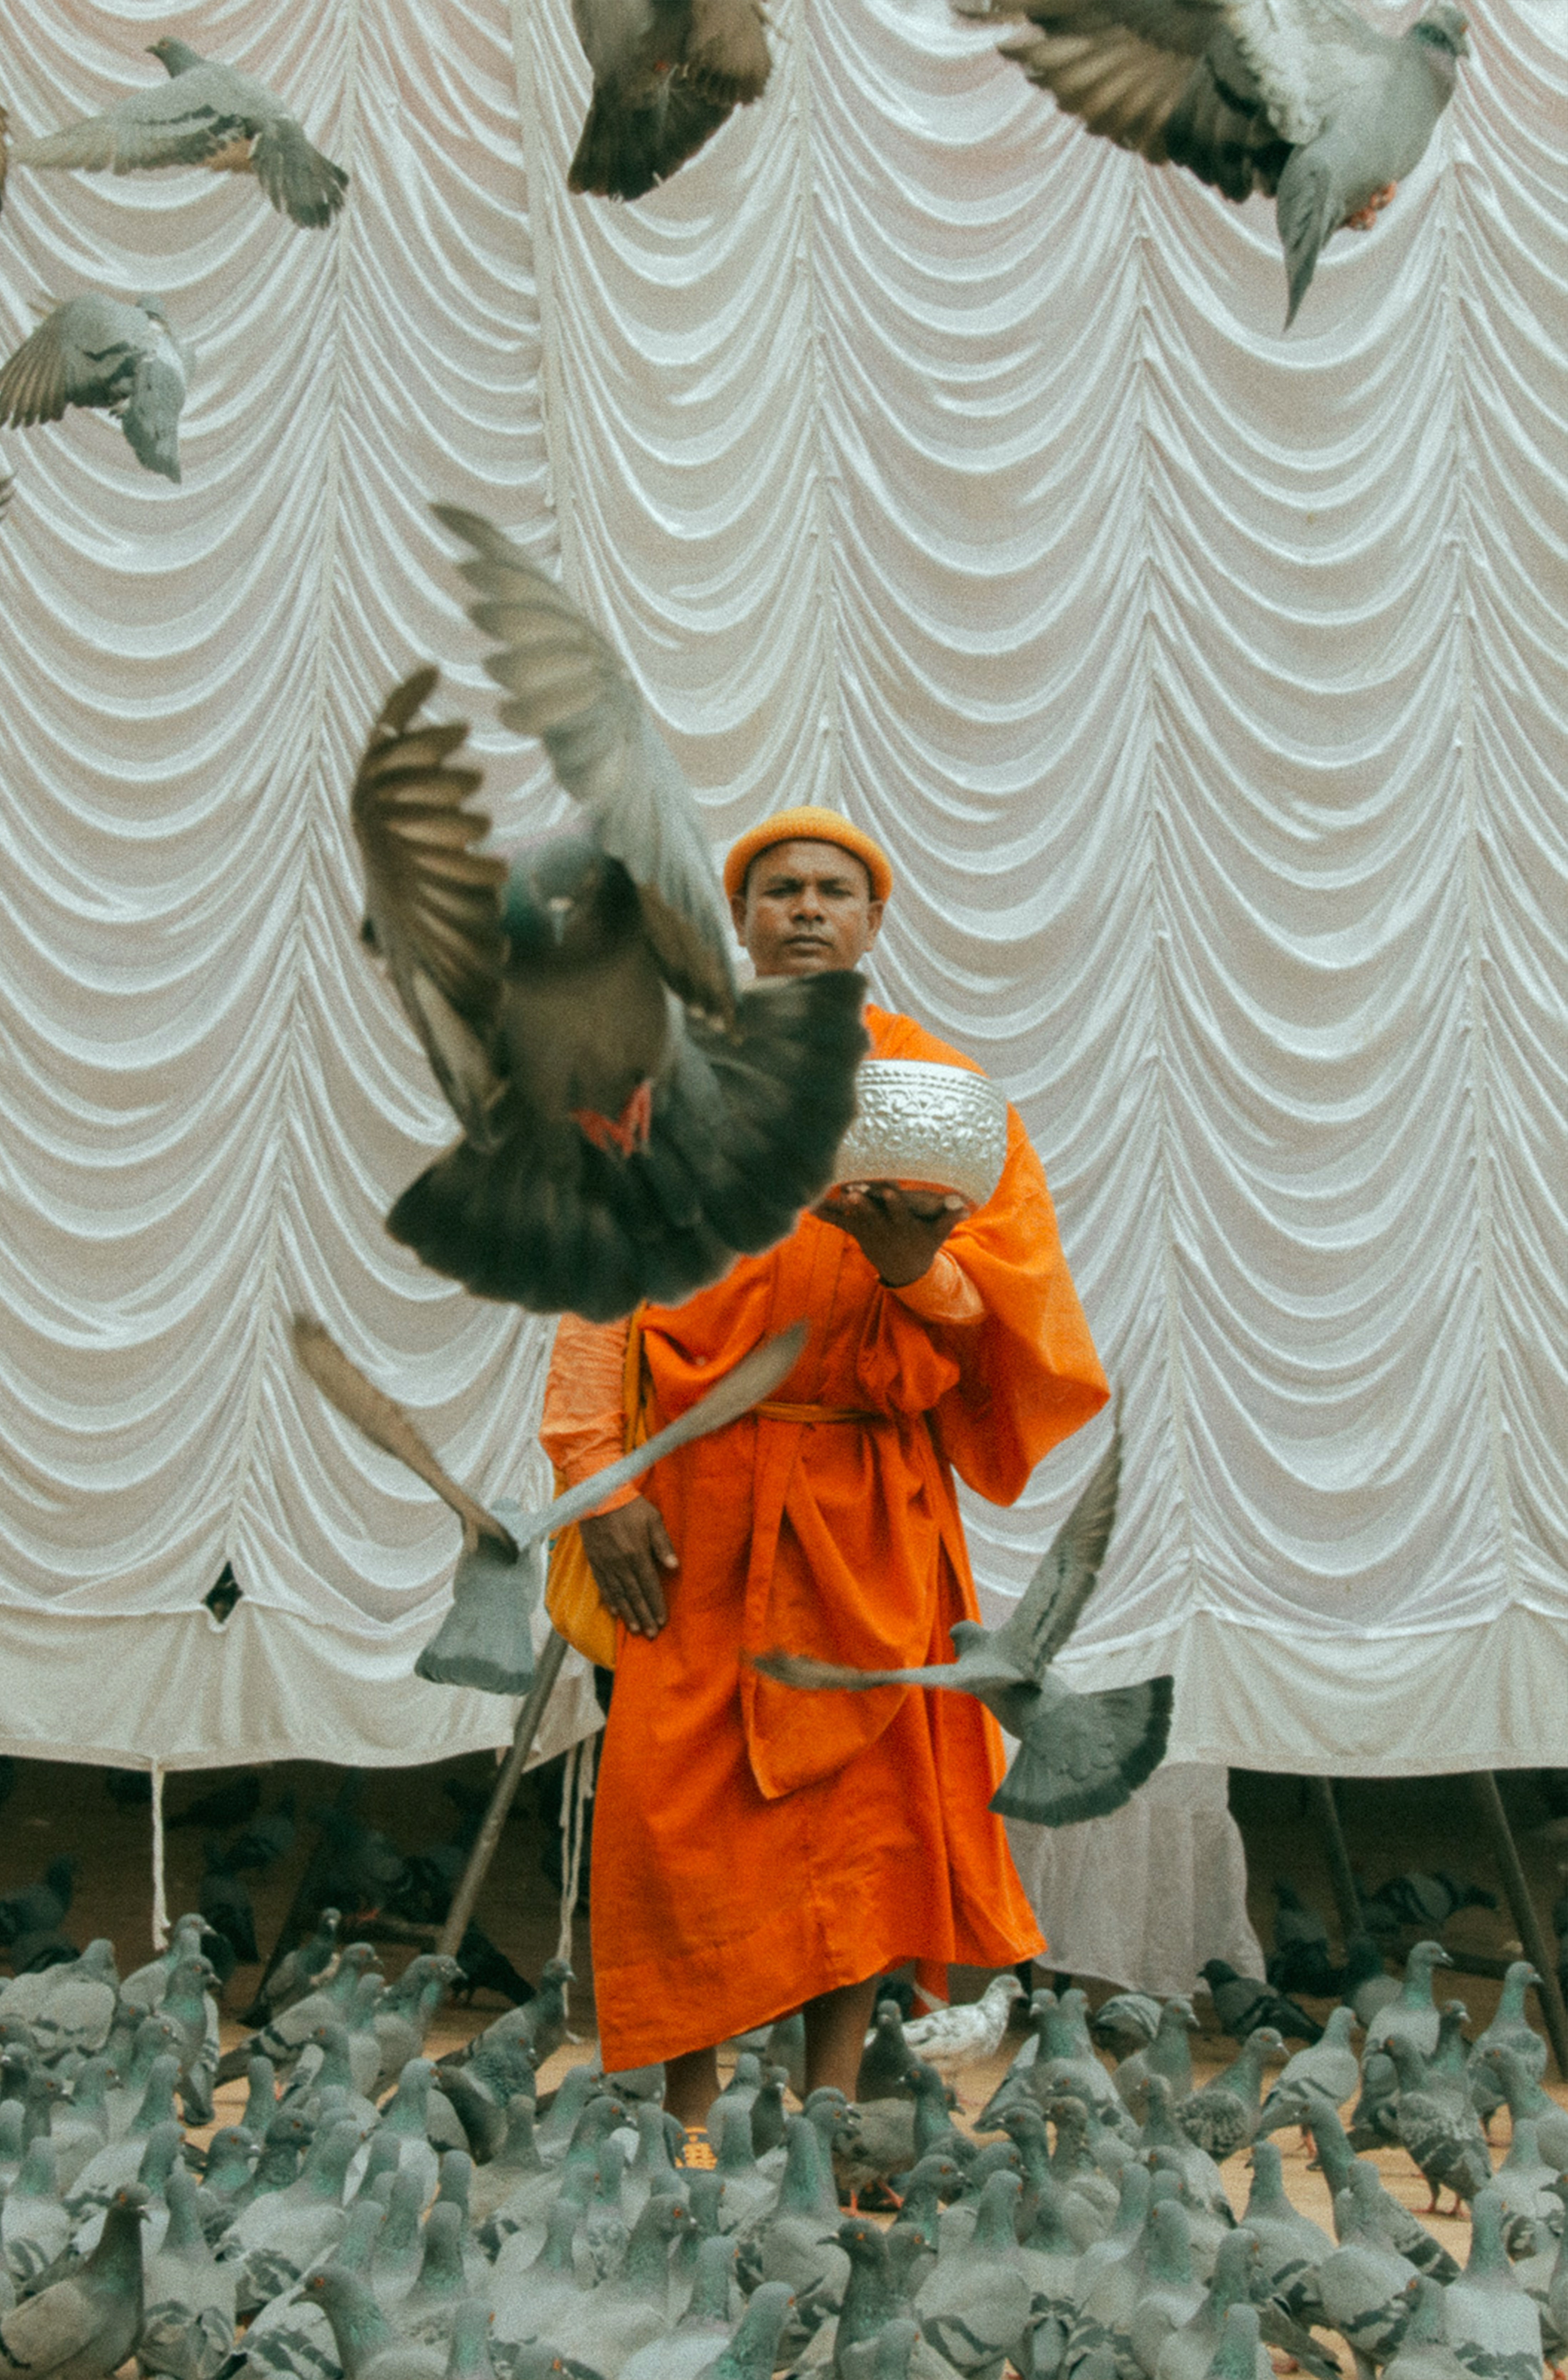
(898, 1230)
(628, 1551)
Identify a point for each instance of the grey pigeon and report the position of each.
(1327, 2067)
(83, 2326)
(1242, 2003)
(1300, 99)
(1414, 2013)
(974, 2305)
(1424, 2352)
(666, 73)
(631, 1120)
(1491, 2323)
(1299, 1961)
(99, 352)
(1224, 2115)
(188, 2327)
(1078, 1756)
(1442, 2134)
(368, 2347)
(205, 115)
(1422, 1900)
(1364, 2287)
(1510, 2028)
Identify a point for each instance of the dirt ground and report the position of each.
(1427, 1823)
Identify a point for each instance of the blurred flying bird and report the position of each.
(1078, 1755)
(666, 74)
(99, 352)
(1301, 100)
(207, 114)
(631, 1121)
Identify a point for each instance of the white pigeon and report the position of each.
(207, 114)
(967, 2032)
(1300, 99)
(121, 359)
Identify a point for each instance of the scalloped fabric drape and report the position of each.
(928, 459)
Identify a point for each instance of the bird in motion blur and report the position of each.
(667, 75)
(631, 1120)
(1301, 100)
(1079, 1754)
(97, 351)
(207, 114)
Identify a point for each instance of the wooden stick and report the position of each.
(1347, 1901)
(1548, 1992)
(506, 1784)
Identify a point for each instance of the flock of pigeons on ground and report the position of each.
(372, 2214)
(1301, 100)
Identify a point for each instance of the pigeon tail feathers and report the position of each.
(1099, 1750)
(1305, 211)
(628, 145)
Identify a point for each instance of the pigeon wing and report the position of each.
(1304, 54)
(565, 685)
(61, 2322)
(300, 181)
(743, 1132)
(179, 123)
(812, 1676)
(1049, 1608)
(1086, 1754)
(1121, 66)
(84, 353)
(433, 902)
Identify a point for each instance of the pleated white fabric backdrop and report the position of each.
(930, 460)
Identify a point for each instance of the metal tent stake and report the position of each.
(1531, 1931)
(489, 1835)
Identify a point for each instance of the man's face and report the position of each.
(805, 910)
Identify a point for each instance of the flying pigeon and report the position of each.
(1300, 99)
(631, 1121)
(1078, 1756)
(98, 351)
(205, 115)
(666, 74)
(485, 1640)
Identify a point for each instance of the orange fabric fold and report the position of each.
(755, 1846)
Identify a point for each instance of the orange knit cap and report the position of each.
(807, 824)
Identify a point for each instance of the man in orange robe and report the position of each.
(758, 1851)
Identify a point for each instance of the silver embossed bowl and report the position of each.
(926, 1127)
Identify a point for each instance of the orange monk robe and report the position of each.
(753, 1846)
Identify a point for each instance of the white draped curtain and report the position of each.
(1208, 688)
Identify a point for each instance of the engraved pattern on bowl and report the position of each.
(929, 1127)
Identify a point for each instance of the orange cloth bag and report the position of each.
(571, 1593)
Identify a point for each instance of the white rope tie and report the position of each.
(160, 1904)
(576, 1792)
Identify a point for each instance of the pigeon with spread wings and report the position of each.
(1078, 1755)
(1300, 99)
(632, 1122)
(97, 351)
(207, 114)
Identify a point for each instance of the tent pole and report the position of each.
(1347, 1901)
(1548, 1992)
(506, 1783)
